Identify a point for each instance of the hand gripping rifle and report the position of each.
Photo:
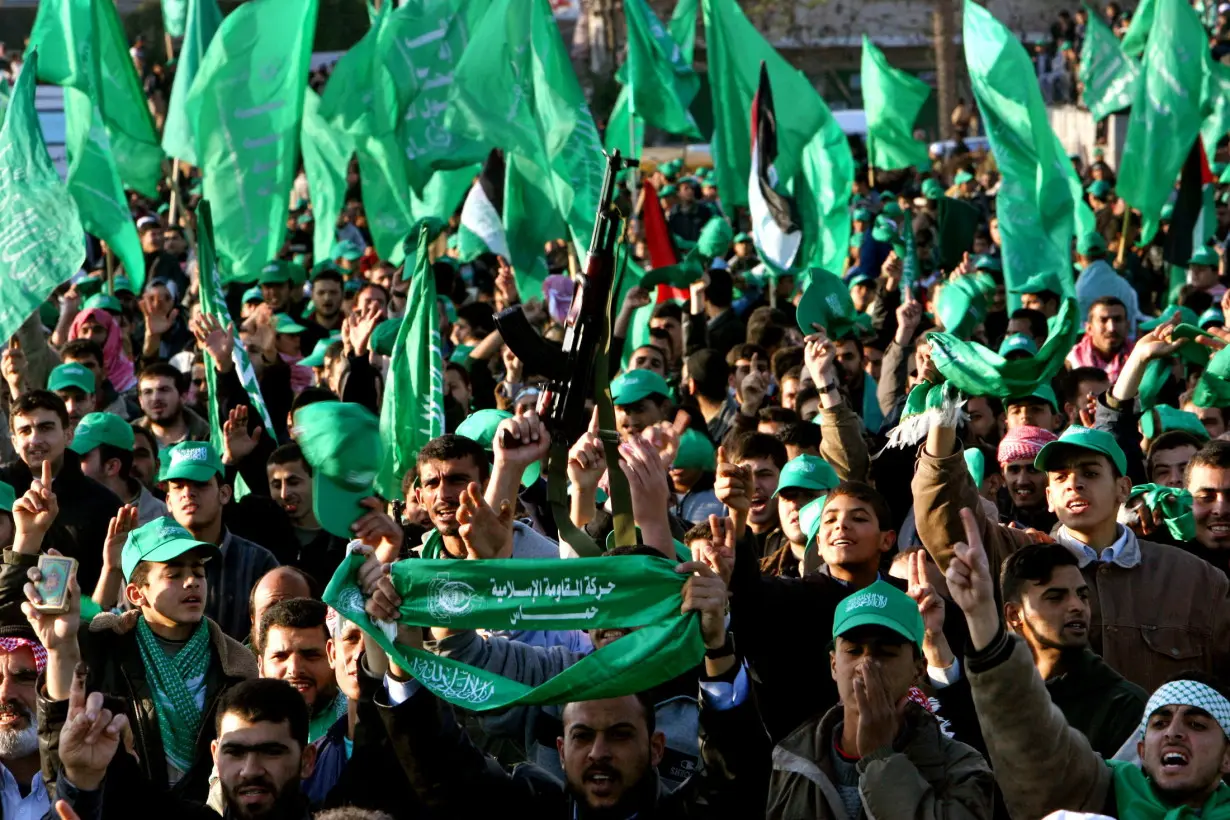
(579, 370)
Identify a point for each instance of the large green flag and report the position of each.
(1166, 113)
(515, 89)
(892, 100)
(83, 46)
(1138, 30)
(1217, 123)
(326, 159)
(413, 410)
(94, 183)
(625, 131)
(386, 193)
(359, 97)
(42, 242)
(682, 27)
(1036, 214)
(1108, 74)
(822, 194)
(245, 109)
(174, 16)
(735, 51)
(203, 19)
(663, 85)
(4, 97)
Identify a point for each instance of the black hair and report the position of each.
(746, 351)
(138, 430)
(802, 434)
(106, 452)
(289, 454)
(480, 316)
(1072, 382)
(667, 310)
(778, 415)
(1106, 301)
(1214, 455)
(312, 395)
(720, 289)
(265, 700)
(162, 370)
(27, 403)
(453, 367)
(79, 349)
(803, 396)
(746, 446)
(374, 286)
(785, 360)
(329, 275)
(865, 492)
(648, 706)
(1033, 562)
(698, 532)
(452, 447)
(711, 374)
(293, 613)
(1170, 440)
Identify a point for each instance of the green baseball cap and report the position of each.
(806, 472)
(1213, 317)
(932, 189)
(71, 376)
(1099, 188)
(884, 229)
(667, 190)
(341, 441)
(252, 295)
(160, 541)
(305, 218)
(634, 385)
(276, 272)
(892, 210)
(317, 357)
(96, 429)
(1038, 283)
(191, 461)
(861, 215)
(8, 496)
(1186, 314)
(1082, 438)
(1163, 418)
(962, 177)
(326, 265)
(348, 250)
(481, 425)
(826, 303)
(880, 604)
(122, 284)
(1043, 391)
(988, 262)
(385, 336)
(1204, 256)
(1017, 343)
(1091, 243)
(742, 237)
(284, 323)
(695, 452)
(103, 301)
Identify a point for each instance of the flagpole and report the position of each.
(1123, 237)
(634, 172)
(173, 211)
(110, 262)
(170, 45)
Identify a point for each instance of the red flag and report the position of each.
(658, 241)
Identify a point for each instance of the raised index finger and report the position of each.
(973, 536)
(47, 473)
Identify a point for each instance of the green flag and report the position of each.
(326, 158)
(1217, 123)
(4, 97)
(1138, 30)
(83, 46)
(663, 85)
(682, 27)
(41, 238)
(1108, 74)
(822, 194)
(245, 109)
(359, 97)
(735, 52)
(892, 100)
(386, 193)
(174, 15)
(1166, 113)
(625, 131)
(203, 19)
(413, 410)
(1035, 200)
(94, 183)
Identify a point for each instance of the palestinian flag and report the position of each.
(775, 223)
(662, 253)
(1195, 216)
(482, 226)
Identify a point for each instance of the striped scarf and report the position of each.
(179, 710)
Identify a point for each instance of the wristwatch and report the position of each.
(831, 387)
(724, 651)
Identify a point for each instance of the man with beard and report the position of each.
(1208, 480)
(22, 659)
(327, 285)
(160, 390)
(1022, 499)
(859, 386)
(293, 638)
(318, 551)
(1044, 765)
(1105, 344)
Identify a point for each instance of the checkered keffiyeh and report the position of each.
(40, 653)
(1188, 693)
(1023, 443)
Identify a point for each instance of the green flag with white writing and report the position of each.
(326, 159)
(892, 100)
(1107, 72)
(41, 238)
(662, 83)
(203, 19)
(94, 183)
(359, 97)
(1036, 214)
(1137, 35)
(386, 193)
(413, 410)
(4, 97)
(245, 110)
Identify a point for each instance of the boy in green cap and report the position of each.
(1202, 273)
(104, 444)
(804, 479)
(642, 399)
(1039, 409)
(692, 474)
(73, 383)
(165, 659)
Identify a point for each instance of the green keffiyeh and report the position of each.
(324, 720)
(1174, 505)
(173, 682)
(1135, 798)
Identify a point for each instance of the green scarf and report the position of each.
(1135, 798)
(322, 722)
(582, 593)
(1174, 505)
(179, 713)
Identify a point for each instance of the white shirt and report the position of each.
(15, 807)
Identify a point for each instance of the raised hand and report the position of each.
(382, 602)
(587, 459)
(664, 436)
(719, 553)
(55, 631)
(237, 442)
(126, 520)
(705, 592)
(362, 327)
(377, 529)
(930, 604)
(753, 388)
(650, 491)
(485, 533)
(218, 340)
(13, 367)
(909, 314)
(521, 441)
(970, 583)
(34, 512)
(820, 356)
(635, 298)
(733, 487)
(159, 314)
(879, 719)
(90, 736)
(506, 283)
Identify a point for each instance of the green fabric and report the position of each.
(807, 472)
(826, 302)
(1166, 112)
(1217, 123)
(174, 16)
(1137, 35)
(326, 158)
(320, 723)
(412, 412)
(1082, 438)
(1135, 797)
(662, 84)
(95, 185)
(203, 19)
(249, 92)
(82, 45)
(341, 443)
(1109, 75)
(179, 713)
(976, 462)
(880, 604)
(979, 371)
(1164, 418)
(962, 303)
(1036, 194)
(892, 100)
(386, 196)
(584, 593)
(909, 262)
(625, 132)
(822, 193)
(360, 97)
(735, 50)
(1213, 389)
(1174, 505)
(41, 241)
(695, 452)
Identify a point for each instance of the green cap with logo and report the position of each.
(634, 385)
(1018, 343)
(348, 250)
(97, 429)
(122, 284)
(103, 301)
(809, 517)
(880, 604)
(71, 376)
(826, 303)
(695, 452)
(807, 472)
(1081, 438)
(190, 461)
(1206, 257)
(285, 323)
(1043, 392)
(276, 272)
(341, 440)
(160, 541)
(252, 294)
(481, 425)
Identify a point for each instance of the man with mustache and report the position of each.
(317, 551)
(1208, 480)
(161, 392)
(1022, 499)
(293, 638)
(1105, 344)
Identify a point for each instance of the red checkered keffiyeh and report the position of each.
(1023, 442)
(13, 644)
